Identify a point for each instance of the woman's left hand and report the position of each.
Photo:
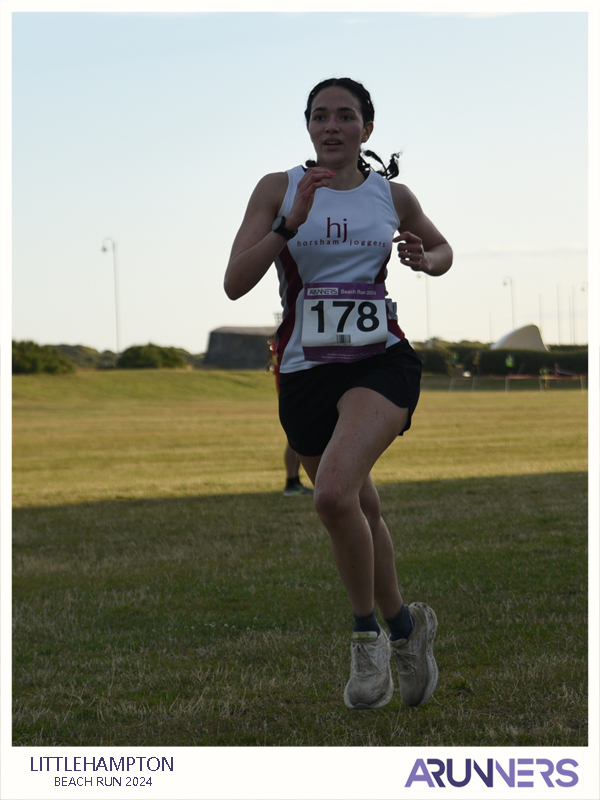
(411, 251)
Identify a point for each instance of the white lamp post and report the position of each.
(584, 288)
(558, 310)
(419, 275)
(109, 246)
(509, 282)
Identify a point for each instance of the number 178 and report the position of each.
(367, 315)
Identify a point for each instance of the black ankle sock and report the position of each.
(291, 482)
(401, 624)
(367, 623)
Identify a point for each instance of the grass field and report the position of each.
(165, 593)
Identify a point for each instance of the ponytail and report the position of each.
(390, 172)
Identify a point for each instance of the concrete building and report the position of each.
(239, 348)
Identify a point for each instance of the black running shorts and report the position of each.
(308, 399)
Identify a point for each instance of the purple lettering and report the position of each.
(419, 772)
(330, 224)
(549, 771)
(510, 778)
(559, 768)
(489, 778)
(441, 768)
(467, 773)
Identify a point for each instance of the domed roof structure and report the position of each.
(528, 337)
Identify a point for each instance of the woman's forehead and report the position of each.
(335, 97)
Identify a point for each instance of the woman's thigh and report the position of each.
(368, 423)
(310, 400)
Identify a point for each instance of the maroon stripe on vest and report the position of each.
(382, 274)
(392, 324)
(294, 286)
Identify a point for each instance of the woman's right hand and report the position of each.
(313, 179)
(255, 247)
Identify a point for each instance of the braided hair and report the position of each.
(368, 114)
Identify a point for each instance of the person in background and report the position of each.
(293, 485)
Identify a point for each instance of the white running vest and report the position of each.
(332, 276)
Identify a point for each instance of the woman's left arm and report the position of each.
(420, 245)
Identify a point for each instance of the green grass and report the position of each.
(127, 435)
(165, 593)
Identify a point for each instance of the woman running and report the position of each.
(349, 379)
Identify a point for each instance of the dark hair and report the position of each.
(367, 111)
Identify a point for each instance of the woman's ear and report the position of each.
(367, 132)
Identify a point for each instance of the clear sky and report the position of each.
(153, 129)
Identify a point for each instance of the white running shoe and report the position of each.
(417, 668)
(371, 684)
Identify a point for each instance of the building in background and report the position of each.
(239, 348)
(526, 338)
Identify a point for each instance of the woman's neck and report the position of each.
(345, 178)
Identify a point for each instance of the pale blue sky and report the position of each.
(154, 128)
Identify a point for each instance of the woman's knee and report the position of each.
(332, 503)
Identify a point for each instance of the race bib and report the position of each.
(343, 321)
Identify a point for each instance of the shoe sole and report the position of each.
(379, 704)
(432, 667)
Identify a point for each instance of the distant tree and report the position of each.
(493, 362)
(87, 357)
(436, 360)
(150, 356)
(29, 358)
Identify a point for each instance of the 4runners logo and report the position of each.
(521, 773)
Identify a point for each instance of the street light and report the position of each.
(419, 275)
(109, 246)
(584, 288)
(508, 281)
(558, 310)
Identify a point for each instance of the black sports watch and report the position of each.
(279, 227)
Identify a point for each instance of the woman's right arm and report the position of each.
(256, 246)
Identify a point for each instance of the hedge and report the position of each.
(530, 362)
(150, 356)
(29, 358)
(436, 360)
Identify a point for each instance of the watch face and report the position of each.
(279, 227)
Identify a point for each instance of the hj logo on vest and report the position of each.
(331, 225)
(336, 233)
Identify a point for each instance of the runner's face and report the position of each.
(336, 127)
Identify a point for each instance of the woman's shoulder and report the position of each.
(270, 189)
(404, 200)
(273, 181)
(400, 191)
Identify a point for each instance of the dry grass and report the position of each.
(102, 436)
